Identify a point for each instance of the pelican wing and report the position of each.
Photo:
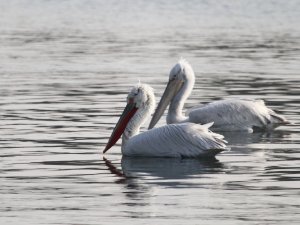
(176, 140)
(229, 115)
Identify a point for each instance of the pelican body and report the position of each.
(227, 115)
(176, 140)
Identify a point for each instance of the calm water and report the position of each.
(66, 67)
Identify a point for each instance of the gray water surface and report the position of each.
(66, 68)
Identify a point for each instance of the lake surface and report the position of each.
(66, 68)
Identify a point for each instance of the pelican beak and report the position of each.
(127, 114)
(171, 90)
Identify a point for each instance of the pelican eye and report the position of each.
(136, 93)
(174, 77)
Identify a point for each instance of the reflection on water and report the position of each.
(162, 168)
(66, 67)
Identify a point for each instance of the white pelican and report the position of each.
(176, 140)
(227, 115)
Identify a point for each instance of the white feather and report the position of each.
(176, 140)
(227, 115)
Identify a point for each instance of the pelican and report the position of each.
(176, 140)
(227, 115)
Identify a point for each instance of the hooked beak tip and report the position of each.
(150, 126)
(105, 150)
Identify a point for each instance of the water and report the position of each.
(66, 67)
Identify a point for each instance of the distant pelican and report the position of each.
(176, 140)
(227, 115)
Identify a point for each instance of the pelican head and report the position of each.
(179, 87)
(140, 104)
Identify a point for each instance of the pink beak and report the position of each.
(127, 114)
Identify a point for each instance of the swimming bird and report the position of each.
(175, 140)
(228, 115)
